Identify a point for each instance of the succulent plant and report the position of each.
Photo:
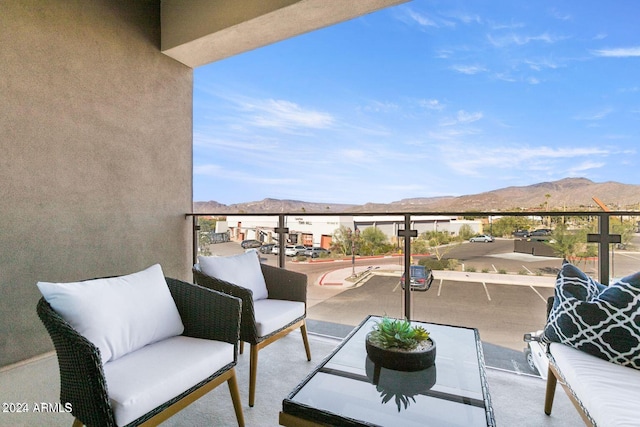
(397, 333)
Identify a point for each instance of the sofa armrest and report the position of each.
(206, 313)
(82, 380)
(285, 284)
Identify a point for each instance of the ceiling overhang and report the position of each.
(198, 32)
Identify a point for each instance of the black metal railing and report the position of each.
(404, 232)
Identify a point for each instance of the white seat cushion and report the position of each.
(119, 314)
(152, 375)
(273, 314)
(242, 270)
(610, 392)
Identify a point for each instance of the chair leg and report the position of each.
(241, 347)
(253, 373)
(235, 397)
(551, 391)
(305, 339)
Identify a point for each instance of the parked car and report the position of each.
(267, 248)
(421, 278)
(250, 243)
(536, 353)
(541, 232)
(275, 249)
(315, 252)
(520, 233)
(293, 250)
(486, 238)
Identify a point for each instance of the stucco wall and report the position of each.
(96, 153)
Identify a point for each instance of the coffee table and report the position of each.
(341, 390)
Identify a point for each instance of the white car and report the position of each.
(293, 250)
(486, 238)
(536, 353)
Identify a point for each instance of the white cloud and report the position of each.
(540, 64)
(218, 171)
(474, 161)
(285, 115)
(620, 52)
(559, 15)
(431, 104)
(520, 40)
(598, 115)
(381, 107)
(580, 168)
(420, 18)
(464, 117)
(468, 69)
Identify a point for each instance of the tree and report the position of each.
(342, 242)
(508, 224)
(437, 242)
(564, 243)
(572, 244)
(207, 226)
(625, 228)
(465, 232)
(373, 241)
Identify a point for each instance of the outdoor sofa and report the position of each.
(593, 336)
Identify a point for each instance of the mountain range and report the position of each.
(571, 194)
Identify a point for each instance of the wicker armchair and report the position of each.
(205, 314)
(281, 284)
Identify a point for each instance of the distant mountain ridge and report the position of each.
(566, 194)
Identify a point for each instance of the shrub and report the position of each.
(434, 264)
(453, 264)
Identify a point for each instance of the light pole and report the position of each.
(353, 236)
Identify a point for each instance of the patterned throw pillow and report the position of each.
(601, 320)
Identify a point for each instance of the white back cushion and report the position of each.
(242, 270)
(118, 315)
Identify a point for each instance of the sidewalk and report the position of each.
(343, 277)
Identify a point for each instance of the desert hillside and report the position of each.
(565, 194)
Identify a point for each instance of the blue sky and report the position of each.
(429, 98)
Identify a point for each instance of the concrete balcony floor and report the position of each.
(517, 399)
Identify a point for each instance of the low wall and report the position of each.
(533, 247)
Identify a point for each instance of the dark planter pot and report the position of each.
(402, 360)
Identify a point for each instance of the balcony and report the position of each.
(517, 394)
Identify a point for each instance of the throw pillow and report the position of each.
(120, 314)
(242, 270)
(601, 320)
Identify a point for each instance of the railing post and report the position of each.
(603, 248)
(281, 230)
(195, 228)
(604, 239)
(407, 233)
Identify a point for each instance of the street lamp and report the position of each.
(353, 237)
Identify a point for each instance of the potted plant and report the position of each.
(399, 345)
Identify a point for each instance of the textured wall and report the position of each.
(96, 153)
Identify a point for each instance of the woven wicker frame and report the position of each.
(281, 285)
(205, 314)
